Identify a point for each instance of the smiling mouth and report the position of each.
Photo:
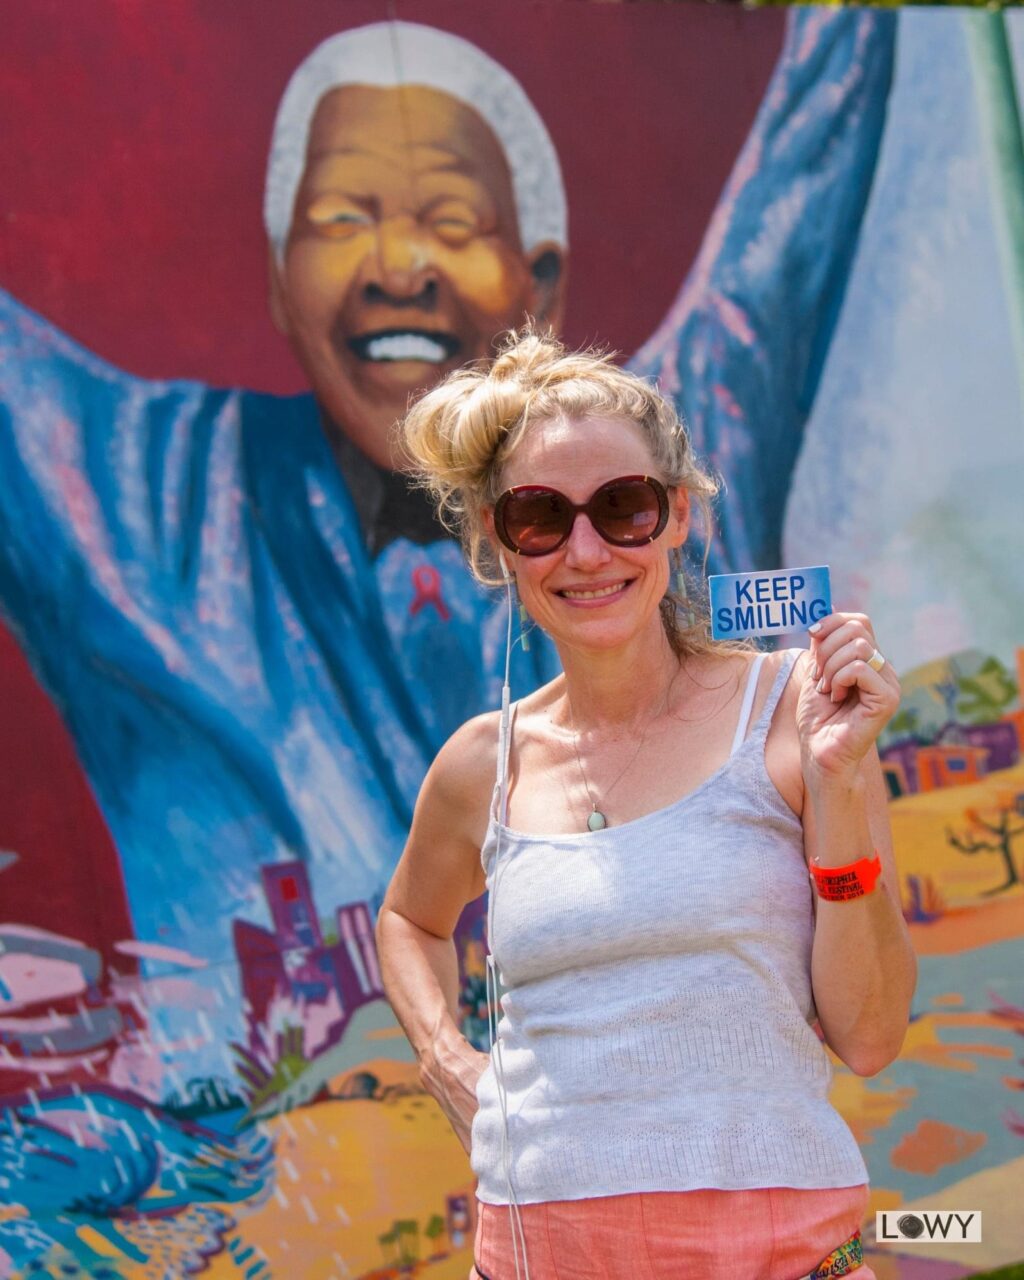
(585, 594)
(389, 345)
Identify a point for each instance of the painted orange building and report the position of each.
(949, 766)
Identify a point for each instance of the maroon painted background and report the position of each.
(135, 136)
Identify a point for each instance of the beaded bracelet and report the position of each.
(840, 884)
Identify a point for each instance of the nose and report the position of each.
(585, 548)
(404, 271)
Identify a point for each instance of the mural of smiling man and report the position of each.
(259, 637)
(418, 226)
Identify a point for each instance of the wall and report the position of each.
(226, 624)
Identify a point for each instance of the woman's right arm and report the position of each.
(438, 873)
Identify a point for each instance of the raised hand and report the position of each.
(848, 697)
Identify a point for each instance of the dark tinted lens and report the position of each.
(536, 521)
(626, 511)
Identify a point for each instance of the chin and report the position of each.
(590, 630)
(596, 635)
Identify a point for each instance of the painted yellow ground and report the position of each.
(345, 1171)
(919, 830)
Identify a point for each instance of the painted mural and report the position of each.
(235, 638)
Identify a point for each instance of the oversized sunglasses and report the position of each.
(534, 520)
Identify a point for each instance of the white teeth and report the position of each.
(406, 346)
(593, 595)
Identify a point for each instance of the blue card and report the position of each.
(768, 604)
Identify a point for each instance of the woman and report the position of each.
(657, 1101)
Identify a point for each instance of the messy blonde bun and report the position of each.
(457, 438)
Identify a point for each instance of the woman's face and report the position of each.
(576, 457)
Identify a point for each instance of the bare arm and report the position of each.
(863, 968)
(438, 873)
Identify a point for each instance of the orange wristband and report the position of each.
(840, 884)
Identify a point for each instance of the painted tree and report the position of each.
(389, 1247)
(904, 724)
(407, 1232)
(948, 690)
(985, 695)
(434, 1230)
(993, 829)
(267, 1082)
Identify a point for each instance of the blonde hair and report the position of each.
(461, 433)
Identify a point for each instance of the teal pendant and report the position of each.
(596, 821)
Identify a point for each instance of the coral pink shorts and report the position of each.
(771, 1233)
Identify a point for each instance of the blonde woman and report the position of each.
(666, 915)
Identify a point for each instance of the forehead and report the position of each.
(408, 126)
(575, 455)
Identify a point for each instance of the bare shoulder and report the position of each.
(463, 774)
(461, 778)
(440, 868)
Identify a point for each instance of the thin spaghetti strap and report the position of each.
(786, 666)
(748, 702)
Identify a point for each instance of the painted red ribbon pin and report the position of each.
(427, 581)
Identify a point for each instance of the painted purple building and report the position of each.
(999, 739)
(294, 962)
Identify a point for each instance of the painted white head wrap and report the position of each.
(389, 54)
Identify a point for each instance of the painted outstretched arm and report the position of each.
(95, 469)
(743, 345)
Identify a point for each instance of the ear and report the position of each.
(679, 515)
(276, 298)
(500, 552)
(548, 269)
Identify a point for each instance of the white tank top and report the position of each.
(655, 1025)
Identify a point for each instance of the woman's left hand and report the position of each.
(844, 707)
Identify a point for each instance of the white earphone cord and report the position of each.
(491, 978)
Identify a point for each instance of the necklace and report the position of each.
(596, 820)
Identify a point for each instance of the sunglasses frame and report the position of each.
(656, 486)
